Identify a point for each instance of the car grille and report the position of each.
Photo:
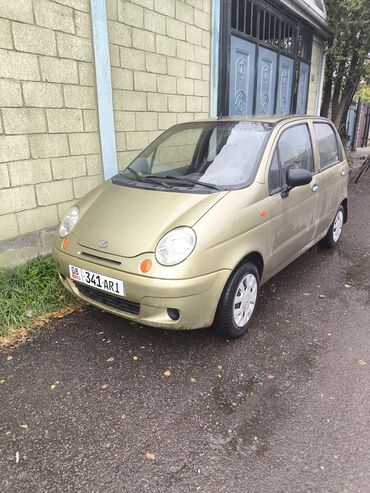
(108, 299)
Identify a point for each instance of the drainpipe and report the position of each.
(215, 47)
(104, 87)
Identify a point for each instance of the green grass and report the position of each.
(29, 292)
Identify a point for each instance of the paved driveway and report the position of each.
(96, 404)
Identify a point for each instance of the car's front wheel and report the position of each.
(238, 302)
(335, 231)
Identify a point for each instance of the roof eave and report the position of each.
(314, 17)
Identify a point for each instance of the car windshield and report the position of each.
(202, 157)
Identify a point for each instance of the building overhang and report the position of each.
(308, 11)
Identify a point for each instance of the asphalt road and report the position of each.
(87, 406)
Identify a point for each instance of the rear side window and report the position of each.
(328, 145)
(295, 150)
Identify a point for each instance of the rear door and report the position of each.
(331, 178)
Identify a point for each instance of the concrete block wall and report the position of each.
(49, 137)
(160, 62)
(49, 141)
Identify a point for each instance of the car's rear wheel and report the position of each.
(335, 231)
(238, 302)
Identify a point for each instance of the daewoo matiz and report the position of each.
(187, 233)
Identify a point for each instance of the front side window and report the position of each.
(295, 150)
(328, 145)
(274, 174)
(201, 157)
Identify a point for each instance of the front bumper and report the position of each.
(196, 298)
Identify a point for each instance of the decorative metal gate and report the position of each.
(266, 82)
(285, 85)
(242, 61)
(266, 58)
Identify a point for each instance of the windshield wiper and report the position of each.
(185, 179)
(145, 178)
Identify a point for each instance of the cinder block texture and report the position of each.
(48, 117)
(49, 132)
(164, 46)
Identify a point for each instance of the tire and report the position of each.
(333, 235)
(232, 321)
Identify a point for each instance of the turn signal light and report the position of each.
(146, 265)
(65, 244)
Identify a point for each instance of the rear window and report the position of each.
(328, 145)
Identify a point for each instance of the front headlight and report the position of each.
(175, 246)
(69, 222)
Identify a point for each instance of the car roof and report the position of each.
(263, 118)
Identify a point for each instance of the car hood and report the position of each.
(133, 220)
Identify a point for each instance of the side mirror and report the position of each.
(296, 177)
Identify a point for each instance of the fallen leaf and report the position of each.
(104, 386)
(135, 358)
(52, 386)
(219, 367)
(9, 358)
(24, 426)
(167, 373)
(270, 376)
(110, 359)
(2, 381)
(347, 286)
(193, 380)
(150, 456)
(361, 362)
(8, 433)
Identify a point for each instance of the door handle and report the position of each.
(315, 187)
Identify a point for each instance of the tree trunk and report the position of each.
(337, 90)
(345, 102)
(326, 97)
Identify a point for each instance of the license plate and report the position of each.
(98, 281)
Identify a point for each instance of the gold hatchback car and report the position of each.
(184, 237)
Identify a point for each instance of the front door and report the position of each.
(295, 228)
(242, 68)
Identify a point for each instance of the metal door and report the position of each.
(266, 82)
(285, 85)
(242, 59)
(351, 123)
(304, 70)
